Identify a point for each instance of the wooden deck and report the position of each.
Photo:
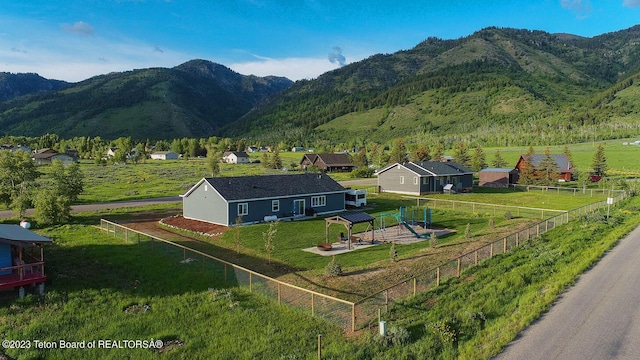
(23, 275)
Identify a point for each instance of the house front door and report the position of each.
(298, 207)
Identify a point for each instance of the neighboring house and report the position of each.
(328, 162)
(235, 157)
(46, 156)
(222, 200)
(446, 158)
(21, 257)
(252, 149)
(164, 155)
(419, 178)
(111, 152)
(565, 168)
(297, 149)
(497, 177)
(22, 148)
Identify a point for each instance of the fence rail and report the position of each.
(360, 314)
(367, 308)
(316, 304)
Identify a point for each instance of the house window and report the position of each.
(275, 205)
(243, 209)
(317, 201)
(401, 179)
(415, 180)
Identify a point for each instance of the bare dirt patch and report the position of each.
(194, 225)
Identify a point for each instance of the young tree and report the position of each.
(498, 161)
(213, 161)
(599, 163)
(276, 161)
(398, 152)
(393, 252)
(237, 233)
(269, 239)
(547, 172)
(478, 159)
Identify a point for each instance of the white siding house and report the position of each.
(164, 155)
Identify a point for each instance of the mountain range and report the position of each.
(500, 86)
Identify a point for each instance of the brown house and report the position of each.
(565, 168)
(497, 177)
(328, 162)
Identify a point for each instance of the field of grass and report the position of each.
(102, 288)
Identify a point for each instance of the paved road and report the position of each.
(598, 318)
(144, 202)
(110, 205)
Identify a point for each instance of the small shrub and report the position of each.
(393, 252)
(467, 232)
(396, 335)
(433, 239)
(508, 216)
(492, 223)
(333, 268)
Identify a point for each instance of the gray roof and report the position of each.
(357, 217)
(437, 168)
(497, 170)
(17, 234)
(560, 159)
(272, 186)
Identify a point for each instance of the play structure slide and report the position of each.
(423, 236)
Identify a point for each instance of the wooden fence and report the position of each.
(349, 315)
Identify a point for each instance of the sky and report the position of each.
(73, 40)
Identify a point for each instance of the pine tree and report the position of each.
(599, 163)
(547, 172)
(498, 161)
(527, 171)
(398, 152)
(478, 159)
(568, 154)
(461, 154)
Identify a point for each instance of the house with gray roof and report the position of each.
(328, 162)
(564, 167)
(419, 178)
(221, 200)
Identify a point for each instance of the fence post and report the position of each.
(353, 317)
(504, 245)
(517, 239)
(278, 293)
(313, 309)
(491, 251)
(415, 286)
(225, 272)
(251, 286)
(458, 269)
(386, 301)
(438, 276)
(476, 257)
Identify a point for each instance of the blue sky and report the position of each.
(73, 40)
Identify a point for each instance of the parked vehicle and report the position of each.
(356, 198)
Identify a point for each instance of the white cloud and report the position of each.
(631, 3)
(582, 8)
(292, 68)
(79, 27)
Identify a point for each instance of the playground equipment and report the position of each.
(406, 217)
